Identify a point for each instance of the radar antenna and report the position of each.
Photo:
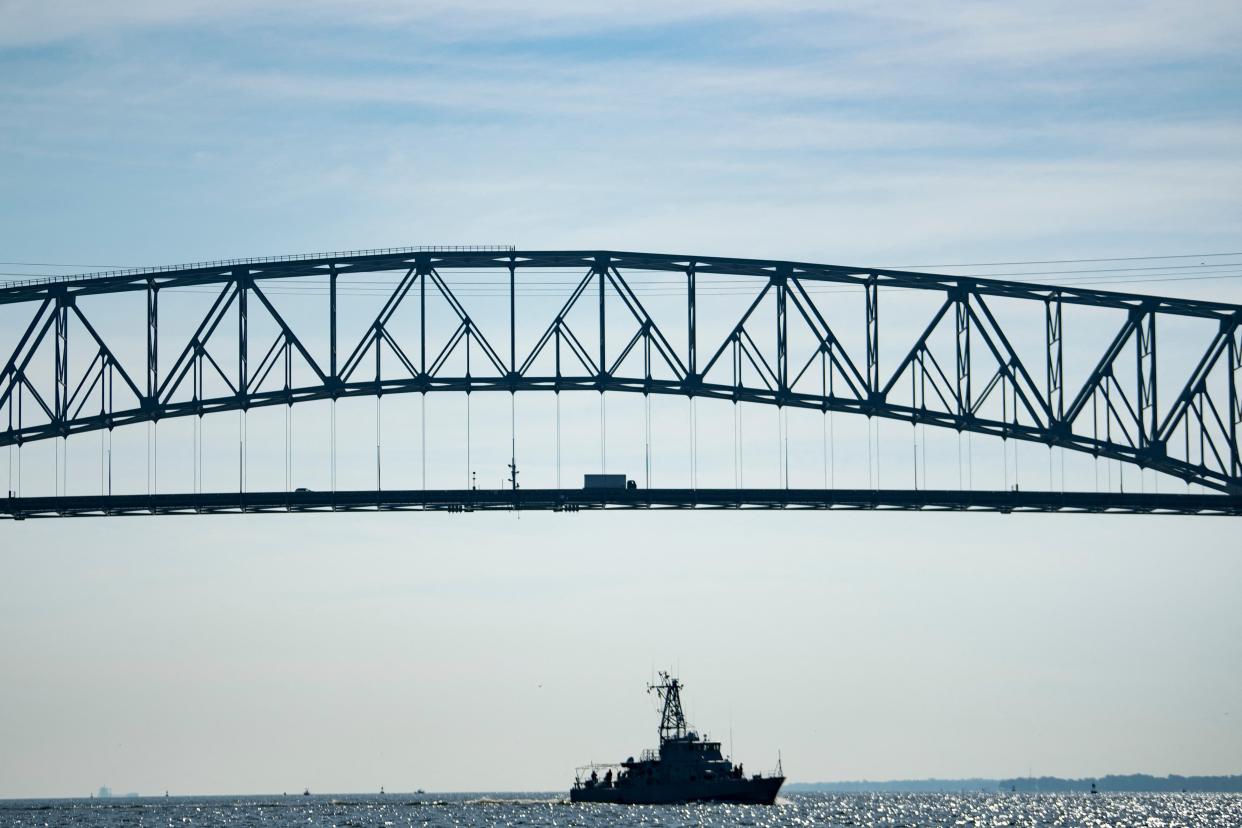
(672, 719)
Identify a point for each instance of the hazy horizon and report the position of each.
(789, 787)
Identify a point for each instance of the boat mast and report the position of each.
(672, 719)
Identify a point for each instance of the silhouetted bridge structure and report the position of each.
(576, 500)
(963, 363)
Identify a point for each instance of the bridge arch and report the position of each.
(963, 364)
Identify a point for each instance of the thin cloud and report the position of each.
(950, 29)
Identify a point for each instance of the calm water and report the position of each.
(887, 810)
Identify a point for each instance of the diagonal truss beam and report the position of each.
(1193, 434)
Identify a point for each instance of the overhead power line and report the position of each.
(890, 267)
(1070, 261)
(665, 276)
(53, 264)
(664, 283)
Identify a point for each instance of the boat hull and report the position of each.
(761, 791)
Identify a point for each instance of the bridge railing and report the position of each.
(297, 257)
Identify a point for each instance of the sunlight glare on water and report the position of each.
(475, 810)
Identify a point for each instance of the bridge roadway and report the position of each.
(572, 500)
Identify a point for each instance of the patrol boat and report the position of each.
(686, 768)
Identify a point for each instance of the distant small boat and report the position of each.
(306, 792)
(1094, 789)
(420, 791)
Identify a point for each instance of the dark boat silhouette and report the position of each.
(685, 769)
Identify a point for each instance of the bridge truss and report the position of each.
(988, 356)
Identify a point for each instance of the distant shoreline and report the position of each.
(1112, 783)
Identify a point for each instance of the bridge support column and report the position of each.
(1145, 356)
(1054, 359)
(153, 340)
(242, 279)
(873, 338)
(60, 400)
(332, 322)
(1235, 399)
(692, 361)
(961, 314)
(780, 282)
(602, 263)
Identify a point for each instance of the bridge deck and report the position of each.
(571, 500)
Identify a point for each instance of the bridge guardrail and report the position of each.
(296, 257)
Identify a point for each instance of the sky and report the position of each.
(486, 652)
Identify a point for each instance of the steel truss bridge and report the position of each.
(963, 365)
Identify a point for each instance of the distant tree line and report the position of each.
(1113, 783)
(1129, 783)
